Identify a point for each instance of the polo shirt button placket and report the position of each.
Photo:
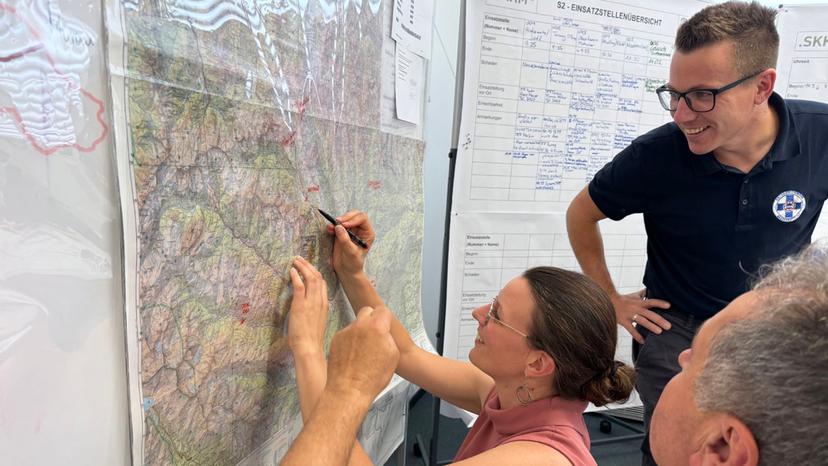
(745, 192)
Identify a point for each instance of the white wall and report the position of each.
(798, 2)
(439, 117)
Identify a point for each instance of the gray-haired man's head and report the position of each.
(754, 386)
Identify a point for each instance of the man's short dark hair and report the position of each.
(749, 26)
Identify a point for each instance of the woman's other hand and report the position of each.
(308, 309)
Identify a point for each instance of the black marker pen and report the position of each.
(335, 222)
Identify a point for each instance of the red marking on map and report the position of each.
(245, 308)
(300, 105)
(12, 111)
(288, 140)
(375, 184)
(313, 188)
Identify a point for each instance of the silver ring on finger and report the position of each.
(635, 320)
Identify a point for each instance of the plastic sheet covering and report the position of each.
(62, 377)
(235, 120)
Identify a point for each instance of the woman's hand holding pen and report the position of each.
(348, 258)
(308, 309)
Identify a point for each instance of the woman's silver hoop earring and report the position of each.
(523, 395)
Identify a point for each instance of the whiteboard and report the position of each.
(62, 375)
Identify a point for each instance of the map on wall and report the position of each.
(234, 121)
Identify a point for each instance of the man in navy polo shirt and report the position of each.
(736, 181)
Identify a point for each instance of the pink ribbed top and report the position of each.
(554, 421)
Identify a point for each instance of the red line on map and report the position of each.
(16, 115)
(29, 50)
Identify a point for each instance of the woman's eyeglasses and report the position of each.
(491, 316)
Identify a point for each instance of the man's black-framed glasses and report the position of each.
(698, 100)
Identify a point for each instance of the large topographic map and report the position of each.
(239, 118)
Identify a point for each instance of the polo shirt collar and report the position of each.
(787, 141)
(704, 164)
(784, 147)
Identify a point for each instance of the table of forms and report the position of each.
(803, 53)
(490, 251)
(802, 68)
(553, 91)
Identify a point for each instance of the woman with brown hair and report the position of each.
(544, 349)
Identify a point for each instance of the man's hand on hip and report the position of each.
(634, 309)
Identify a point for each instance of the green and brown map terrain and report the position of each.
(242, 118)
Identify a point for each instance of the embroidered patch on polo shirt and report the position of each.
(788, 206)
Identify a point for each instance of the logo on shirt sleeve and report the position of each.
(788, 206)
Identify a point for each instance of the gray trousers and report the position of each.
(656, 362)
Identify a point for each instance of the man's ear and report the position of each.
(764, 85)
(539, 364)
(729, 442)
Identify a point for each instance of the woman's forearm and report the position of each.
(362, 293)
(311, 375)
